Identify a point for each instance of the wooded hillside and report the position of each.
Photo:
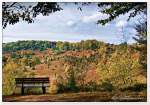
(82, 66)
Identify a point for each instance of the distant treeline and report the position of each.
(43, 45)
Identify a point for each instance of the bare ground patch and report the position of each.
(74, 97)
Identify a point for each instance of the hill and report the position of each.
(83, 66)
(43, 45)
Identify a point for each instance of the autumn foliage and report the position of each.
(83, 66)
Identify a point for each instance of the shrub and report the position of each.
(107, 86)
(136, 88)
(71, 85)
(90, 86)
(62, 88)
(36, 60)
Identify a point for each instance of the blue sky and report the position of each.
(70, 24)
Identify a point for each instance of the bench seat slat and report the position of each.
(43, 80)
(31, 80)
(33, 85)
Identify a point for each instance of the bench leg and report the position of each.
(44, 90)
(22, 90)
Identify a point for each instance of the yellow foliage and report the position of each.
(10, 71)
(120, 68)
(53, 85)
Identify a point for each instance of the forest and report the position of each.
(108, 67)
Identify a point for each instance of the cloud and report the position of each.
(71, 23)
(132, 31)
(121, 23)
(94, 17)
(106, 25)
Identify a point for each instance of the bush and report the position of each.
(72, 84)
(62, 88)
(136, 88)
(107, 86)
(90, 86)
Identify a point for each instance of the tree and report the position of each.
(4, 59)
(115, 9)
(16, 11)
(66, 46)
(36, 60)
(141, 38)
(13, 12)
(10, 71)
(28, 45)
(59, 45)
(141, 29)
(75, 70)
(47, 60)
(70, 73)
(120, 68)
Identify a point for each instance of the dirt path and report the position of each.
(65, 97)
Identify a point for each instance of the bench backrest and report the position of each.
(31, 80)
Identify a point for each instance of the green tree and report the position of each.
(59, 45)
(66, 46)
(36, 60)
(115, 9)
(13, 12)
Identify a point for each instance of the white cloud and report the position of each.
(106, 25)
(132, 31)
(70, 23)
(94, 17)
(121, 23)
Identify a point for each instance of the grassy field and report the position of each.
(78, 97)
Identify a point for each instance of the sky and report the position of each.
(72, 25)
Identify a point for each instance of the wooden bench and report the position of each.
(32, 82)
